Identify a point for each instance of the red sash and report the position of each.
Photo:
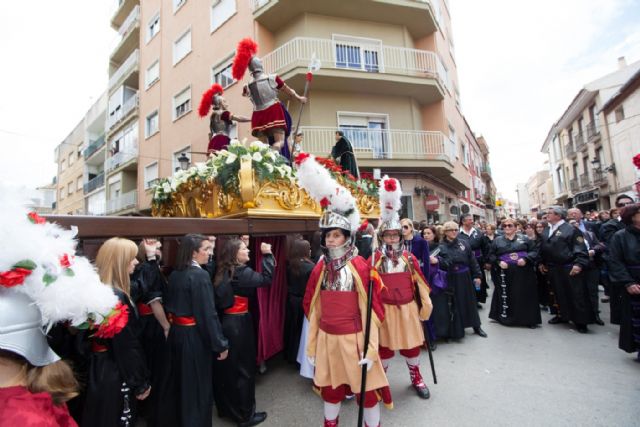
(96, 347)
(399, 288)
(340, 312)
(240, 305)
(181, 320)
(144, 309)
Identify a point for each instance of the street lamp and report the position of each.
(184, 162)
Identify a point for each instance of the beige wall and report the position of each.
(70, 174)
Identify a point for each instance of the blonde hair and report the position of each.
(113, 261)
(407, 221)
(450, 225)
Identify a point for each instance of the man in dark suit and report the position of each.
(564, 256)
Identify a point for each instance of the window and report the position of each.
(181, 47)
(367, 132)
(71, 158)
(619, 114)
(221, 11)
(223, 76)
(150, 175)
(153, 27)
(452, 143)
(61, 194)
(182, 103)
(79, 185)
(151, 124)
(407, 207)
(152, 75)
(70, 189)
(63, 165)
(465, 153)
(177, 4)
(175, 163)
(358, 53)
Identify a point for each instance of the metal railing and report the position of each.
(599, 177)
(348, 55)
(94, 183)
(569, 150)
(580, 142)
(121, 158)
(379, 144)
(130, 64)
(485, 169)
(584, 179)
(125, 201)
(593, 132)
(93, 147)
(129, 105)
(130, 22)
(574, 185)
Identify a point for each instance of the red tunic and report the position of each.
(220, 141)
(20, 407)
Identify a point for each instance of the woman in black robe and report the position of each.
(235, 283)
(515, 295)
(624, 272)
(118, 373)
(463, 274)
(299, 268)
(185, 397)
(342, 153)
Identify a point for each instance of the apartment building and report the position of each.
(388, 79)
(69, 178)
(538, 192)
(581, 159)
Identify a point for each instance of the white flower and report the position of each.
(166, 187)
(269, 167)
(246, 157)
(270, 155)
(257, 157)
(231, 158)
(234, 142)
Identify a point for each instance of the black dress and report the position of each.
(236, 375)
(185, 397)
(343, 154)
(515, 303)
(480, 250)
(607, 230)
(461, 310)
(117, 373)
(624, 270)
(294, 315)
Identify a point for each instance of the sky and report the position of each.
(519, 66)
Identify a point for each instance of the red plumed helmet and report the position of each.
(207, 99)
(245, 51)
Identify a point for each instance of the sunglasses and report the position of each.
(405, 227)
(450, 229)
(623, 204)
(508, 226)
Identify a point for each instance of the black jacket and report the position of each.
(459, 252)
(565, 246)
(501, 245)
(624, 252)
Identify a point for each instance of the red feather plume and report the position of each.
(246, 49)
(207, 99)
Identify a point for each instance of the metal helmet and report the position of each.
(390, 225)
(21, 328)
(332, 220)
(217, 101)
(255, 66)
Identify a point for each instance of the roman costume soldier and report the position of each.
(335, 303)
(269, 118)
(405, 294)
(221, 118)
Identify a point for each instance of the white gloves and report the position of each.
(365, 361)
(312, 360)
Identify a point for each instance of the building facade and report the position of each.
(69, 178)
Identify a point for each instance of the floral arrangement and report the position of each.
(362, 186)
(223, 168)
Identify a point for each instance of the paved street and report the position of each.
(551, 376)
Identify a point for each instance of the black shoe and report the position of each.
(533, 326)
(262, 368)
(599, 321)
(479, 306)
(480, 332)
(582, 329)
(604, 300)
(422, 392)
(556, 320)
(257, 418)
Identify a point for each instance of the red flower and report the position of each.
(301, 158)
(65, 262)
(113, 324)
(636, 160)
(14, 277)
(35, 218)
(324, 203)
(390, 185)
(309, 76)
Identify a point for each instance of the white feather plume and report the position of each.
(74, 298)
(390, 201)
(315, 178)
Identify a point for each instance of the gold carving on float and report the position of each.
(199, 198)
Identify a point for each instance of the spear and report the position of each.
(314, 65)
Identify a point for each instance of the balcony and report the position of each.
(127, 73)
(569, 151)
(584, 180)
(121, 158)
(94, 184)
(129, 107)
(599, 178)
(93, 147)
(120, 203)
(360, 67)
(580, 142)
(485, 171)
(593, 133)
(123, 9)
(130, 32)
(416, 15)
(574, 185)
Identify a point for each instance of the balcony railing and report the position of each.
(121, 158)
(580, 142)
(574, 185)
(94, 183)
(93, 147)
(129, 105)
(599, 177)
(379, 144)
(126, 201)
(593, 132)
(130, 22)
(485, 170)
(569, 150)
(129, 65)
(584, 180)
(347, 55)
